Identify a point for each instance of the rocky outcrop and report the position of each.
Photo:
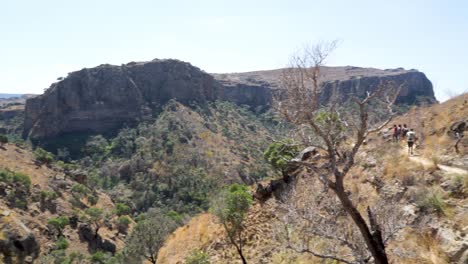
(107, 97)
(17, 242)
(95, 242)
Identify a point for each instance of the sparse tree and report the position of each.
(337, 132)
(149, 236)
(231, 207)
(95, 217)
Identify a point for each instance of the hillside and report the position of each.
(32, 194)
(162, 135)
(421, 200)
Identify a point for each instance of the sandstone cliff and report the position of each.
(107, 97)
(344, 81)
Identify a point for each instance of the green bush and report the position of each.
(3, 139)
(80, 190)
(48, 195)
(432, 199)
(198, 257)
(20, 191)
(99, 257)
(15, 178)
(122, 224)
(122, 209)
(92, 199)
(59, 223)
(62, 243)
(178, 218)
(43, 156)
(278, 154)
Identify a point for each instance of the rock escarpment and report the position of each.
(107, 97)
(342, 82)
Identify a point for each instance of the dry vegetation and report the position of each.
(47, 180)
(425, 206)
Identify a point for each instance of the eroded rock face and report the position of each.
(107, 97)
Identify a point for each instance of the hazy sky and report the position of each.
(43, 40)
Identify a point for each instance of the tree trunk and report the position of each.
(376, 250)
(241, 255)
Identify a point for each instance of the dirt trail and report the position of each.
(427, 163)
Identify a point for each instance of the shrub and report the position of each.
(3, 140)
(176, 217)
(15, 178)
(80, 190)
(92, 199)
(59, 223)
(122, 224)
(98, 257)
(48, 195)
(43, 156)
(198, 257)
(62, 243)
(20, 191)
(122, 209)
(95, 217)
(278, 155)
(432, 199)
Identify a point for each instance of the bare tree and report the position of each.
(338, 132)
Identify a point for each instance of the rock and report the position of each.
(305, 154)
(410, 212)
(18, 241)
(453, 244)
(95, 242)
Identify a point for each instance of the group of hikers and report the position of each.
(403, 133)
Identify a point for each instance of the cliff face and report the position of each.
(417, 89)
(342, 82)
(107, 97)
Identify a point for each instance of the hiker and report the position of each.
(404, 131)
(399, 132)
(411, 139)
(395, 133)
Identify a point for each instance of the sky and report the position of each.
(43, 40)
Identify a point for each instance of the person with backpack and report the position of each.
(404, 131)
(411, 138)
(399, 132)
(395, 133)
